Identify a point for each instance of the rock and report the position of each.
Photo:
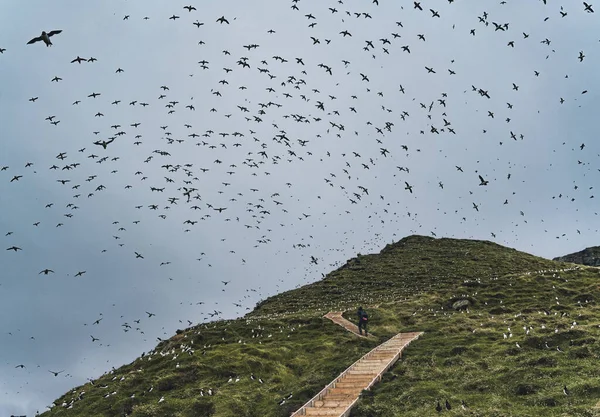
(526, 389)
(589, 256)
(461, 304)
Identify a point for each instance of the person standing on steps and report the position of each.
(363, 318)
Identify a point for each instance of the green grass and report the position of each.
(409, 286)
(463, 356)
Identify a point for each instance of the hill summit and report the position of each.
(506, 334)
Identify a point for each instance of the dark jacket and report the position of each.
(364, 317)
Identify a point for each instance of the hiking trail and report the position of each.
(341, 394)
(336, 317)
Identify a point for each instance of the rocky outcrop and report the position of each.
(588, 256)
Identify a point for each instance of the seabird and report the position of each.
(45, 36)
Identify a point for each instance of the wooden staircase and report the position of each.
(338, 398)
(336, 317)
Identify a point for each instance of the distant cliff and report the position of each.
(588, 256)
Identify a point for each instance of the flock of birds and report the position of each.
(180, 355)
(266, 115)
(562, 322)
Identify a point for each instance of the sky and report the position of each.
(328, 138)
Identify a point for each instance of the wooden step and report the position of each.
(332, 403)
(343, 391)
(363, 365)
(324, 411)
(356, 377)
(350, 384)
(371, 364)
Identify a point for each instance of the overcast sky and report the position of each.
(312, 162)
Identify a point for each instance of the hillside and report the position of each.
(589, 256)
(284, 352)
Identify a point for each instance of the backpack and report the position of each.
(364, 316)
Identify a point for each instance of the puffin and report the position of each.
(45, 36)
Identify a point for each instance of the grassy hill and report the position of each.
(284, 352)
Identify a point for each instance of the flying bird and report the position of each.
(79, 60)
(56, 373)
(45, 36)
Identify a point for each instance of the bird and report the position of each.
(46, 271)
(45, 36)
(79, 60)
(222, 20)
(56, 373)
(104, 143)
(482, 181)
